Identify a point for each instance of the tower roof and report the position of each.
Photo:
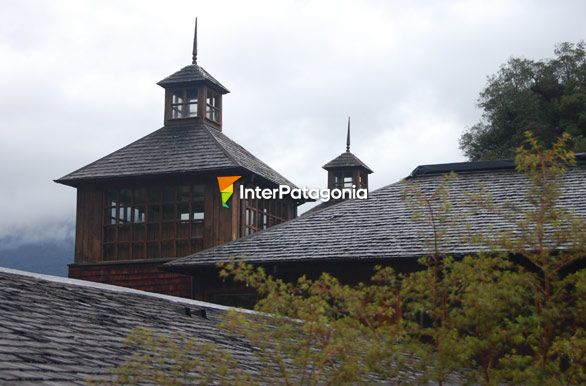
(190, 74)
(185, 148)
(346, 160)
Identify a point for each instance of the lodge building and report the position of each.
(150, 216)
(158, 199)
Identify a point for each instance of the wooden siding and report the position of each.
(208, 286)
(220, 225)
(145, 276)
(88, 228)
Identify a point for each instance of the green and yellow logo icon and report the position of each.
(226, 185)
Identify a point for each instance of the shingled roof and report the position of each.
(346, 160)
(194, 147)
(65, 331)
(381, 227)
(190, 74)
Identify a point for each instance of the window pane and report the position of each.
(198, 192)
(111, 215)
(124, 215)
(169, 212)
(191, 95)
(139, 214)
(125, 196)
(169, 193)
(111, 197)
(198, 211)
(192, 110)
(184, 193)
(177, 97)
(154, 194)
(154, 213)
(140, 196)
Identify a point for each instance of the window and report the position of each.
(262, 214)
(153, 222)
(184, 103)
(213, 106)
(343, 180)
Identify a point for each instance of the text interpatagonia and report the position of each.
(302, 193)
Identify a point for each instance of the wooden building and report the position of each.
(349, 238)
(158, 198)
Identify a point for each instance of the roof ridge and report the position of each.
(248, 154)
(226, 153)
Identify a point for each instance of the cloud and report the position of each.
(77, 81)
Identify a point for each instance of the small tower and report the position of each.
(346, 169)
(192, 94)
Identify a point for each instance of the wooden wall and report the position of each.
(88, 226)
(207, 285)
(145, 276)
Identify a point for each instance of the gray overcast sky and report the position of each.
(77, 81)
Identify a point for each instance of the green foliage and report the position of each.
(514, 314)
(546, 97)
(321, 331)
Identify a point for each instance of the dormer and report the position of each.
(346, 171)
(192, 94)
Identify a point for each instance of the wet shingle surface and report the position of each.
(189, 74)
(382, 227)
(184, 148)
(346, 160)
(55, 330)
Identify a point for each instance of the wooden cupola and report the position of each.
(192, 94)
(346, 170)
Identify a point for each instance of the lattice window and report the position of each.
(184, 103)
(213, 106)
(343, 180)
(153, 222)
(262, 214)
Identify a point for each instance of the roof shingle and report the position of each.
(194, 147)
(381, 227)
(67, 331)
(346, 160)
(191, 73)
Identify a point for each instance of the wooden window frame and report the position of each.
(183, 238)
(343, 175)
(183, 112)
(260, 214)
(213, 110)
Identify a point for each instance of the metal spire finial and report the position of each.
(348, 137)
(194, 56)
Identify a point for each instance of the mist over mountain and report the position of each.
(48, 257)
